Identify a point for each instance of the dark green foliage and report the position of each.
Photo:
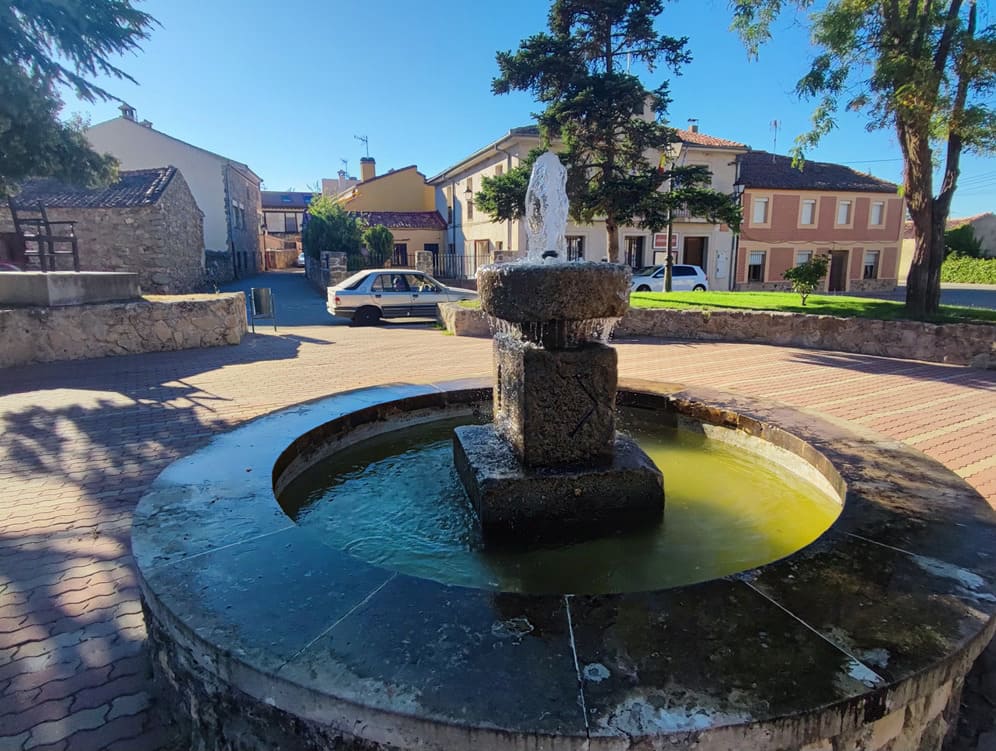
(44, 43)
(969, 270)
(504, 197)
(595, 108)
(926, 68)
(380, 243)
(330, 228)
(34, 141)
(961, 242)
(806, 277)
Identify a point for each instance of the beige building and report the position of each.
(226, 191)
(474, 239)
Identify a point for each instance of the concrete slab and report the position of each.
(57, 288)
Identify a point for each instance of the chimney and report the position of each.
(693, 124)
(127, 111)
(146, 123)
(368, 168)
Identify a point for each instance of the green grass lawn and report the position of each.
(790, 302)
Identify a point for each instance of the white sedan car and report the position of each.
(684, 278)
(372, 294)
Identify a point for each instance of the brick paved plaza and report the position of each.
(81, 442)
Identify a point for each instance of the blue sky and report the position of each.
(287, 87)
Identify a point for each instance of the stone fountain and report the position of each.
(552, 465)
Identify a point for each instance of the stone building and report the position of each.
(226, 190)
(147, 223)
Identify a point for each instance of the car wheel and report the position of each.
(366, 316)
(643, 288)
(699, 288)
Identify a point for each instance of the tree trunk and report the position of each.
(923, 286)
(611, 231)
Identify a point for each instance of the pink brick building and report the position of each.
(823, 209)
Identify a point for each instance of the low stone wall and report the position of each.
(953, 343)
(155, 324)
(327, 271)
(281, 259)
(855, 285)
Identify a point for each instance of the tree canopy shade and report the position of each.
(45, 43)
(923, 67)
(604, 117)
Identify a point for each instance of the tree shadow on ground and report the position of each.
(917, 370)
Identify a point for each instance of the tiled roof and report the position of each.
(403, 219)
(134, 188)
(761, 169)
(952, 223)
(702, 139)
(275, 199)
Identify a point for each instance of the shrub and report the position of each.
(380, 242)
(962, 242)
(806, 276)
(958, 268)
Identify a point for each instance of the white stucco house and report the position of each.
(226, 191)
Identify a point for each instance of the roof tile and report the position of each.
(403, 219)
(762, 169)
(133, 188)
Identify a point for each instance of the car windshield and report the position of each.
(646, 271)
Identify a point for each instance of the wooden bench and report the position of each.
(42, 238)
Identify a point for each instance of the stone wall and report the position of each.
(218, 267)
(163, 243)
(953, 343)
(281, 259)
(151, 325)
(855, 285)
(243, 192)
(327, 271)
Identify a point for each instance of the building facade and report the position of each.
(146, 223)
(473, 236)
(283, 215)
(226, 191)
(793, 213)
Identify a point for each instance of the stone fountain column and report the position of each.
(552, 466)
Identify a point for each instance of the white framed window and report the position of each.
(843, 212)
(871, 265)
(755, 266)
(807, 216)
(803, 256)
(760, 212)
(876, 216)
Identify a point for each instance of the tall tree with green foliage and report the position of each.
(579, 70)
(330, 228)
(45, 43)
(923, 67)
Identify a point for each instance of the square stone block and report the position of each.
(556, 407)
(525, 505)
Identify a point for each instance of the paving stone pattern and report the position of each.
(80, 442)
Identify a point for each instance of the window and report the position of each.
(682, 271)
(575, 247)
(470, 208)
(755, 266)
(843, 212)
(499, 245)
(876, 217)
(634, 252)
(871, 264)
(449, 215)
(498, 170)
(803, 256)
(760, 215)
(808, 216)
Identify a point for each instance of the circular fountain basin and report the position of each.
(264, 637)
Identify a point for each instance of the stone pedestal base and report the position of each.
(525, 505)
(556, 407)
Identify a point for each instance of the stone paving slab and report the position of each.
(80, 443)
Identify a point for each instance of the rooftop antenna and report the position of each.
(365, 141)
(775, 125)
(345, 165)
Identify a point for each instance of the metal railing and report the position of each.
(459, 266)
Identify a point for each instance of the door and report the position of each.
(634, 252)
(695, 251)
(401, 255)
(838, 271)
(392, 293)
(434, 249)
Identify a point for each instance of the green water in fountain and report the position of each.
(396, 501)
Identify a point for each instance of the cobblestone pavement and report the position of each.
(81, 441)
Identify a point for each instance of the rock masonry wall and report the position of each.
(76, 332)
